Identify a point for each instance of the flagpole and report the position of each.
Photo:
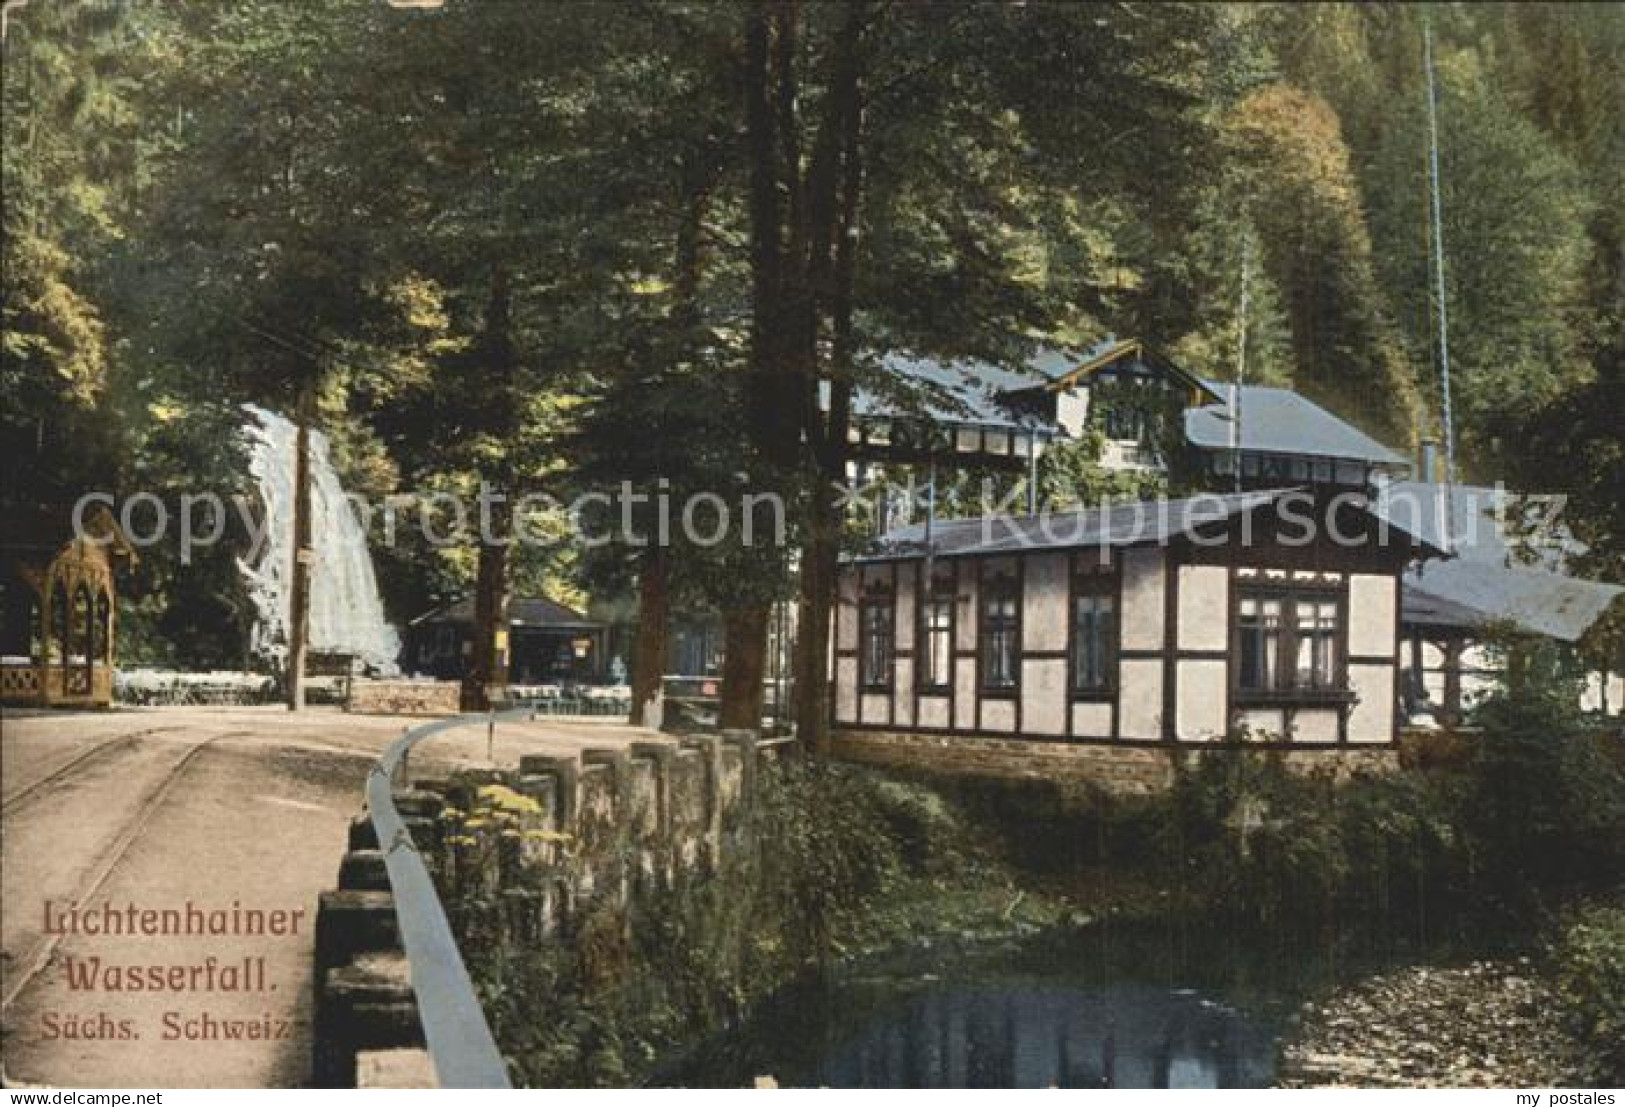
(1448, 522)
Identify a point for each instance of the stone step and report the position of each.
(367, 1004)
(353, 921)
(395, 1068)
(364, 870)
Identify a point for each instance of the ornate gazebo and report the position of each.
(62, 613)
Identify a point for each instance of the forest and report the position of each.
(555, 247)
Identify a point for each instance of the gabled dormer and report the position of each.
(1124, 389)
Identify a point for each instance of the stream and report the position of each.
(1079, 1012)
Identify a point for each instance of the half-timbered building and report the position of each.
(1053, 643)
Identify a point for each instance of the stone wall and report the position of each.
(403, 697)
(1119, 769)
(520, 858)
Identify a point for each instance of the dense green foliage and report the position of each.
(1590, 957)
(836, 862)
(1529, 819)
(1532, 818)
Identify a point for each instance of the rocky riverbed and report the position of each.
(1488, 1024)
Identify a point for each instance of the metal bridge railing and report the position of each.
(464, 1053)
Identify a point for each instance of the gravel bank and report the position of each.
(1489, 1024)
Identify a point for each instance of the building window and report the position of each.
(1094, 636)
(1288, 642)
(937, 637)
(1001, 629)
(1316, 624)
(875, 630)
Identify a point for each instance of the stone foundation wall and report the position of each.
(521, 859)
(403, 697)
(1121, 770)
(1128, 770)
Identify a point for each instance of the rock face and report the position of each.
(1489, 1024)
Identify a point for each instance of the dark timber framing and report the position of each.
(1202, 574)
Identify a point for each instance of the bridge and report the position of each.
(191, 848)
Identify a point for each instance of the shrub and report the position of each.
(1251, 840)
(1546, 805)
(1590, 959)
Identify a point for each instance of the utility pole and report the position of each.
(303, 555)
(1241, 358)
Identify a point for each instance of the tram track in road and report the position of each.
(19, 798)
(38, 958)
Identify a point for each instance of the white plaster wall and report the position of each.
(1143, 588)
(1201, 688)
(1126, 454)
(846, 611)
(999, 715)
(1204, 608)
(1044, 606)
(1372, 719)
(903, 691)
(1371, 615)
(1263, 722)
(965, 694)
(1591, 698)
(1043, 696)
(846, 689)
(1072, 410)
(934, 712)
(1316, 724)
(1092, 720)
(876, 708)
(829, 659)
(906, 619)
(1139, 698)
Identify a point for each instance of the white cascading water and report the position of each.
(346, 613)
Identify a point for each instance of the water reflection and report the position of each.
(1026, 1036)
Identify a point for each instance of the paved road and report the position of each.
(181, 820)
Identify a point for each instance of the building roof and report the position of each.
(1479, 528)
(523, 611)
(1494, 577)
(1474, 594)
(1065, 368)
(1419, 609)
(1279, 421)
(962, 391)
(1142, 523)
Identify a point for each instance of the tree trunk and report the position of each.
(798, 269)
(486, 677)
(649, 650)
(771, 397)
(487, 672)
(774, 433)
(303, 555)
(820, 562)
(699, 177)
(744, 657)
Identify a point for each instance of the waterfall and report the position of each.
(346, 613)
